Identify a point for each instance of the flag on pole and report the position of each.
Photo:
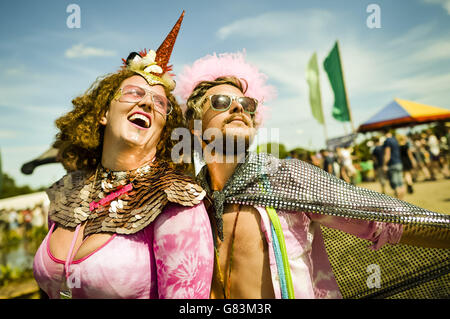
(333, 67)
(315, 99)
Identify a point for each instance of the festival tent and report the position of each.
(400, 113)
(27, 201)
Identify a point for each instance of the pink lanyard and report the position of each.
(69, 257)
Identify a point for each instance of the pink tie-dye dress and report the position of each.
(170, 258)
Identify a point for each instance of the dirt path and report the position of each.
(434, 195)
(25, 289)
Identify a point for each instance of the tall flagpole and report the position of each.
(325, 129)
(345, 89)
(323, 114)
(345, 128)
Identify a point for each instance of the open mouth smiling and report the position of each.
(140, 120)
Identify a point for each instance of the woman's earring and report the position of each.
(103, 120)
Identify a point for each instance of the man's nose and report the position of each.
(147, 103)
(236, 107)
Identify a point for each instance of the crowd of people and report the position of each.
(340, 162)
(23, 220)
(404, 159)
(397, 159)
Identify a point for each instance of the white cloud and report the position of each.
(368, 67)
(277, 24)
(435, 51)
(82, 51)
(444, 3)
(38, 149)
(413, 35)
(15, 71)
(6, 134)
(376, 70)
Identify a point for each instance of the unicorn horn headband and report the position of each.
(154, 66)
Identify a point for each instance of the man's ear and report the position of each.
(103, 120)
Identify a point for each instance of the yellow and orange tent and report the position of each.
(400, 113)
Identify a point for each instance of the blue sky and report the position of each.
(44, 64)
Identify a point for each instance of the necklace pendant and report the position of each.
(65, 292)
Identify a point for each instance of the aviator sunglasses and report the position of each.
(222, 102)
(135, 94)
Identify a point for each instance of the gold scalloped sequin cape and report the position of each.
(405, 271)
(72, 196)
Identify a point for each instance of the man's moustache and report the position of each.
(232, 118)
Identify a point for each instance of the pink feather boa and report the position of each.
(213, 66)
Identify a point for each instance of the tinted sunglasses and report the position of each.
(135, 94)
(222, 102)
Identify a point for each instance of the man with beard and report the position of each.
(267, 213)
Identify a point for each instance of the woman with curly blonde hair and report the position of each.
(80, 137)
(125, 222)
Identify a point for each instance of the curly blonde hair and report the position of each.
(80, 136)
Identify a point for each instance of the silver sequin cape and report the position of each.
(408, 271)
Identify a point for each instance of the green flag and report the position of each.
(332, 65)
(315, 100)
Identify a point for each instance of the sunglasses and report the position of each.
(135, 94)
(222, 102)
